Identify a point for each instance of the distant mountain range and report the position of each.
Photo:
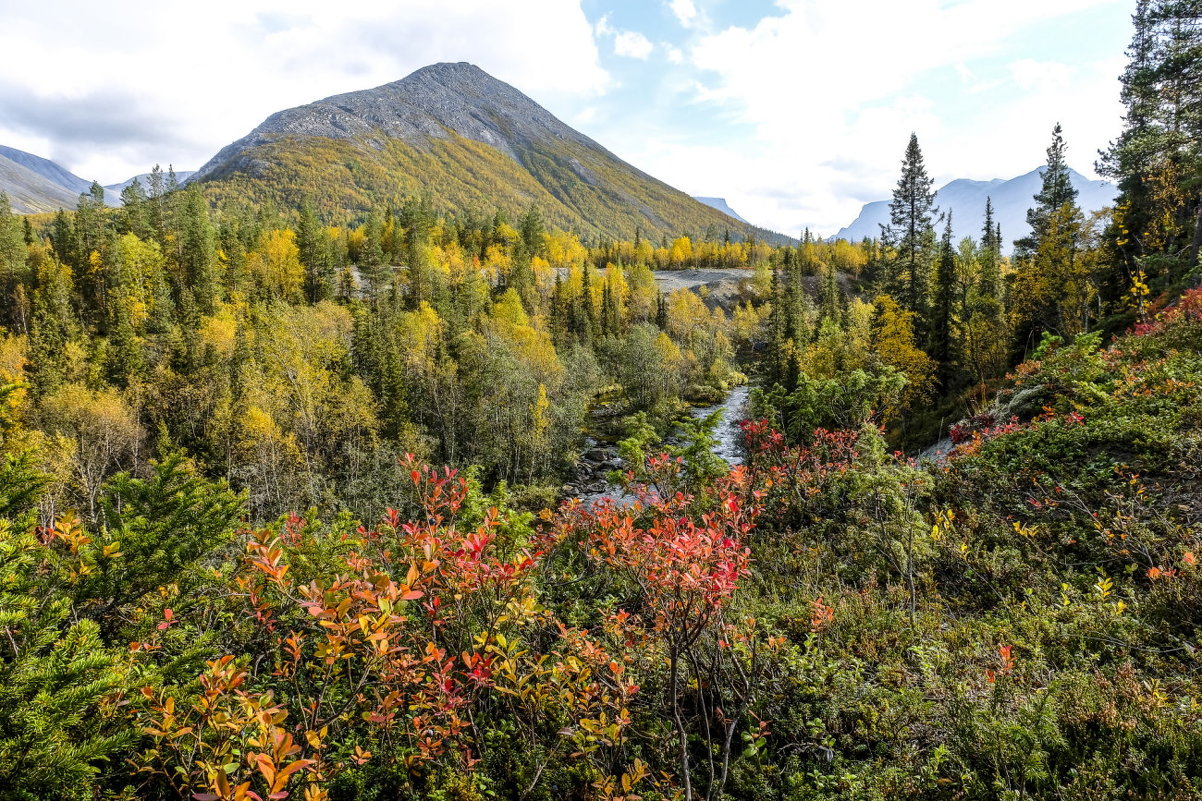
(966, 200)
(719, 203)
(473, 142)
(34, 184)
(181, 176)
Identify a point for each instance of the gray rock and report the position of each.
(426, 105)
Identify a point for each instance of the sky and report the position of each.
(796, 111)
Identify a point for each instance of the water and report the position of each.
(733, 409)
(590, 486)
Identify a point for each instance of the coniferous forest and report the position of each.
(289, 497)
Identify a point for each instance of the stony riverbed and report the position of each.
(599, 458)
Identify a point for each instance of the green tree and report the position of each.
(990, 284)
(1056, 190)
(1157, 159)
(54, 322)
(945, 308)
(14, 273)
(314, 255)
(135, 211)
(911, 233)
(198, 250)
(1049, 285)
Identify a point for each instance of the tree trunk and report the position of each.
(674, 689)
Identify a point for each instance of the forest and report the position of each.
(284, 507)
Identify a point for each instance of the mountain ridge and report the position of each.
(30, 192)
(36, 184)
(474, 142)
(721, 205)
(965, 197)
(182, 176)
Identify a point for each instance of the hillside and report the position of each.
(966, 200)
(471, 141)
(29, 191)
(50, 187)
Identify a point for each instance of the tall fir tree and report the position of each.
(13, 271)
(135, 211)
(314, 255)
(944, 309)
(990, 281)
(911, 233)
(198, 249)
(371, 256)
(1048, 279)
(1056, 190)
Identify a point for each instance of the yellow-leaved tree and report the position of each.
(275, 265)
(893, 343)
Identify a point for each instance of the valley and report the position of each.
(417, 447)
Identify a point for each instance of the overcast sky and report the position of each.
(796, 111)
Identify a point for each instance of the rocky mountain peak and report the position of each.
(430, 103)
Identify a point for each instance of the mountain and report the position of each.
(29, 192)
(475, 143)
(35, 184)
(720, 204)
(966, 200)
(181, 176)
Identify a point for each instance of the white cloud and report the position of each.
(685, 11)
(585, 116)
(633, 44)
(124, 84)
(844, 84)
(630, 44)
(674, 54)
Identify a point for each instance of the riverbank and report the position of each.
(591, 482)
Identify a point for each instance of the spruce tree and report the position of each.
(1157, 159)
(1055, 191)
(990, 282)
(156, 193)
(198, 250)
(911, 232)
(135, 211)
(63, 239)
(943, 312)
(829, 296)
(371, 257)
(319, 273)
(589, 320)
(1048, 281)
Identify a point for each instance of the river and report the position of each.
(590, 484)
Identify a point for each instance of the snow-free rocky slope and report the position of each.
(34, 184)
(474, 143)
